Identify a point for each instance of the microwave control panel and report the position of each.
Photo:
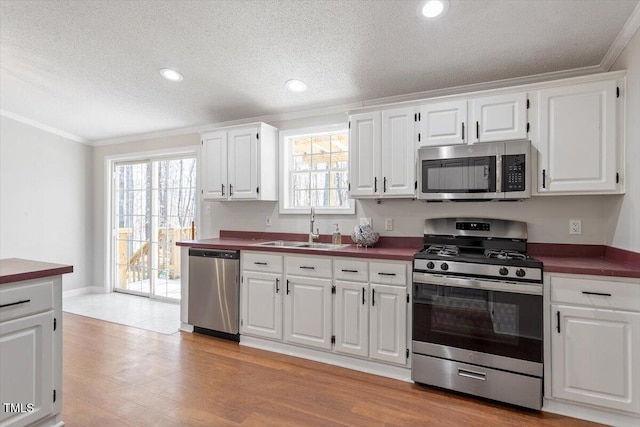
(513, 172)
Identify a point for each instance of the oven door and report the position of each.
(478, 316)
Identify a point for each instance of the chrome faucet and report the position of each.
(312, 219)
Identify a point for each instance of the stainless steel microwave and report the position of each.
(482, 171)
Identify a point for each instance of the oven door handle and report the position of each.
(486, 285)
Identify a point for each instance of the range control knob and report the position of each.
(503, 271)
(520, 272)
(444, 266)
(430, 265)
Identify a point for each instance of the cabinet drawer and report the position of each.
(355, 271)
(596, 293)
(388, 273)
(262, 261)
(308, 266)
(25, 299)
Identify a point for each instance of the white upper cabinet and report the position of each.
(240, 163)
(443, 123)
(498, 118)
(469, 121)
(398, 153)
(364, 154)
(214, 166)
(577, 138)
(382, 154)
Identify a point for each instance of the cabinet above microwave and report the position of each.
(469, 121)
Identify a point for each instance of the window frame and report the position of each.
(285, 154)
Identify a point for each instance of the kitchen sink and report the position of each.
(301, 245)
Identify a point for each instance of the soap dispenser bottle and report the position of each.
(336, 239)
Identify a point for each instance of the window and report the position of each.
(315, 170)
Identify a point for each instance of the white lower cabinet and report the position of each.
(352, 318)
(596, 357)
(326, 304)
(307, 311)
(261, 305)
(388, 324)
(595, 342)
(31, 352)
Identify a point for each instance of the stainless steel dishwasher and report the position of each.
(214, 292)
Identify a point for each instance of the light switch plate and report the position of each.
(267, 221)
(388, 224)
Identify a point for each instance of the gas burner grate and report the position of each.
(504, 254)
(448, 250)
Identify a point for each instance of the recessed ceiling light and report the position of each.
(433, 8)
(296, 85)
(170, 74)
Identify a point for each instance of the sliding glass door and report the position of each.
(154, 207)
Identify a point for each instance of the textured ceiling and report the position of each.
(90, 68)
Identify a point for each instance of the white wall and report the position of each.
(100, 214)
(45, 199)
(623, 214)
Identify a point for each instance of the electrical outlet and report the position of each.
(267, 220)
(575, 226)
(388, 224)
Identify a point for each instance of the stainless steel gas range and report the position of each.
(477, 311)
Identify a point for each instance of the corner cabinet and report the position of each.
(382, 154)
(31, 352)
(471, 121)
(240, 163)
(595, 343)
(578, 141)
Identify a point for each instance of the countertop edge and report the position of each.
(32, 270)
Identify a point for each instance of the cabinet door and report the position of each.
(307, 311)
(352, 318)
(364, 155)
(577, 141)
(214, 166)
(243, 164)
(443, 124)
(388, 324)
(398, 153)
(498, 118)
(26, 369)
(595, 357)
(262, 305)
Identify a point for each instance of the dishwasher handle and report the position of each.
(212, 253)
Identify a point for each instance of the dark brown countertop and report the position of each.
(392, 248)
(597, 260)
(17, 269)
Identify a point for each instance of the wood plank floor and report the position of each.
(116, 375)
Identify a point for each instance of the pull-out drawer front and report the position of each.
(354, 271)
(388, 273)
(309, 266)
(596, 293)
(262, 261)
(25, 299)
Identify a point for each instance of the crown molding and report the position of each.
(269, 118)
(624, 36)
(42, 126)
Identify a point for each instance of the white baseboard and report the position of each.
(185, 327)
(362, 365)
(602, 416)
(84, 290)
